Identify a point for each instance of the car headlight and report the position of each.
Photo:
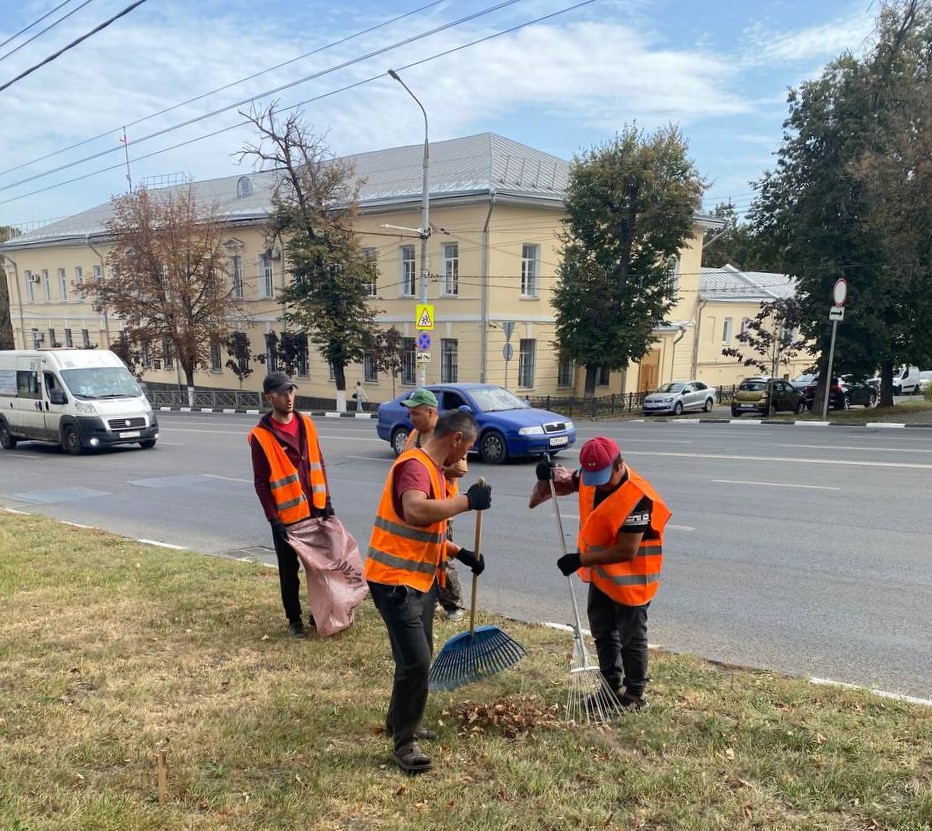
(568, 425)
(666, 401)
(84, 407)
(536, 430)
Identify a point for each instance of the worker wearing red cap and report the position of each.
(620, 556)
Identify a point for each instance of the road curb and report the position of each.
(318, 413)
(770, 422)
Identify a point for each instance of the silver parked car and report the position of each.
(679, 396)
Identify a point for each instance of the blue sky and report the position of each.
(719, 70)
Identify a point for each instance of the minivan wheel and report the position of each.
(7, 441)
(71, 441)
(678, 408)
(147, 444)
(399, 440)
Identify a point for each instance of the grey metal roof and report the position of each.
(462, 166)
(730, 284)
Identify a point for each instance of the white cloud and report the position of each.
(765, 46)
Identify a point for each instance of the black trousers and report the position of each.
(620, 634)
(288, 576)
(409, 618)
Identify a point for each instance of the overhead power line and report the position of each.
(39, 34)
(273, 91)
(35, 22)
(244, 122)
(202, 96)
(73, 43)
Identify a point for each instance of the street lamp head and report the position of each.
(393, 74)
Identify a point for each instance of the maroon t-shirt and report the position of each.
(412, 476)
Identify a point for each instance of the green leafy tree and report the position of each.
(314, 202)
(629, 210)
(241, 356)
(734, 245)
(835, 203)
(168, 280)
(6, 324)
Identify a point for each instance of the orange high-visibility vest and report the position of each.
(284, 480)
(414, 438)
(634, 582)
(401, 554)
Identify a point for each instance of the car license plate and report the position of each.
(134, 434)
(559, 441)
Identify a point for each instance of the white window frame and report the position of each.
(79, 280)
(745, 324)
(561, 364)
(408, 373)
(408, 266)
(216, 356)
(69, 339)
(98, 275)
(530, 270)
(266, 278)
(370, 373)
(30, 286)
(451, 269)
(370, 256)
(46, 285)
(237, 281)
(63, 283)
(726, 330)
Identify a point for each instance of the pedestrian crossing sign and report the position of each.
(424, 316)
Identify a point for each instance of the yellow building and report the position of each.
(495, 211)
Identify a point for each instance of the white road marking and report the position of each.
(227, 478)
(76, 524)
(350, 437)
(681, 527)
(909, 699)
(163, 544)
(843, 447)
(14, 511)
(773, 484)
(785, 459)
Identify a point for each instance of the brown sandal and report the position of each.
(412, 759)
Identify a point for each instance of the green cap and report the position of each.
(420, 396)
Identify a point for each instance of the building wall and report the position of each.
(491, 239)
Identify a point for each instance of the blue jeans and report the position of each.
(409, 618)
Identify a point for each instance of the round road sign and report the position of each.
(840, 291)
(508, 352)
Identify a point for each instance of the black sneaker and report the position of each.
(296, 630)
(633, 703)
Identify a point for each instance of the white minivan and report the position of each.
(78, 398)
(905, 380)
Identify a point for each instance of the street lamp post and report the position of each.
(424, 230)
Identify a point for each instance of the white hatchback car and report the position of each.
(678, 397)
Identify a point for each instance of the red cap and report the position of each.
(596, 458)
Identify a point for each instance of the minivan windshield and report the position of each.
(100, 382)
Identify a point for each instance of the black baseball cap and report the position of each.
(277, 382)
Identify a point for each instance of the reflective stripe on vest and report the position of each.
(401, 553)
(284, 479)
(633, 582)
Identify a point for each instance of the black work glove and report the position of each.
(328, 510)
(544, 470)
(279, 528)
(479, 497)
(569, 563)
(468, 558)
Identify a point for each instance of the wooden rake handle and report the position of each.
(477, 543)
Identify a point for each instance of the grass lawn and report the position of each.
(111, 651)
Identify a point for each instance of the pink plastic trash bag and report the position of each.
(335, 585)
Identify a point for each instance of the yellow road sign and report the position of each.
(424, 316)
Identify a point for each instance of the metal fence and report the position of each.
(239, 400)
(609, 405)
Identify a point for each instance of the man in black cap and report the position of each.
(291, 482)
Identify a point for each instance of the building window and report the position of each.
(369, 255)
(267, 278)
(63, 284)
(69, 340)
(30, 293)
(408, 361)
(46, 286)
(745, 325)
(408, 276)
(216, 359)
(303, 365)
(604, 376)
(236, 276)
(98, 275)
(330, 373)
(36, 339)
(79, 281)
(52, 341)
(527, 355)
(673, 276)
(369, 371)
(144, 355)
(168, 360)
(86, 338)
(566, 372)
(243, 187)
(271, 353)
(449, 349)
(726, 330)
(451, 268)
(530, 270)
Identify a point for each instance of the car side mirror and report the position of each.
(57, 397)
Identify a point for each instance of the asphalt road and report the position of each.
(800, 549)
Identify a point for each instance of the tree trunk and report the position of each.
(188, 370)
(339, 376)
(592, 375)
(886, 384)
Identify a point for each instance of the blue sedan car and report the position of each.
(508, 426)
